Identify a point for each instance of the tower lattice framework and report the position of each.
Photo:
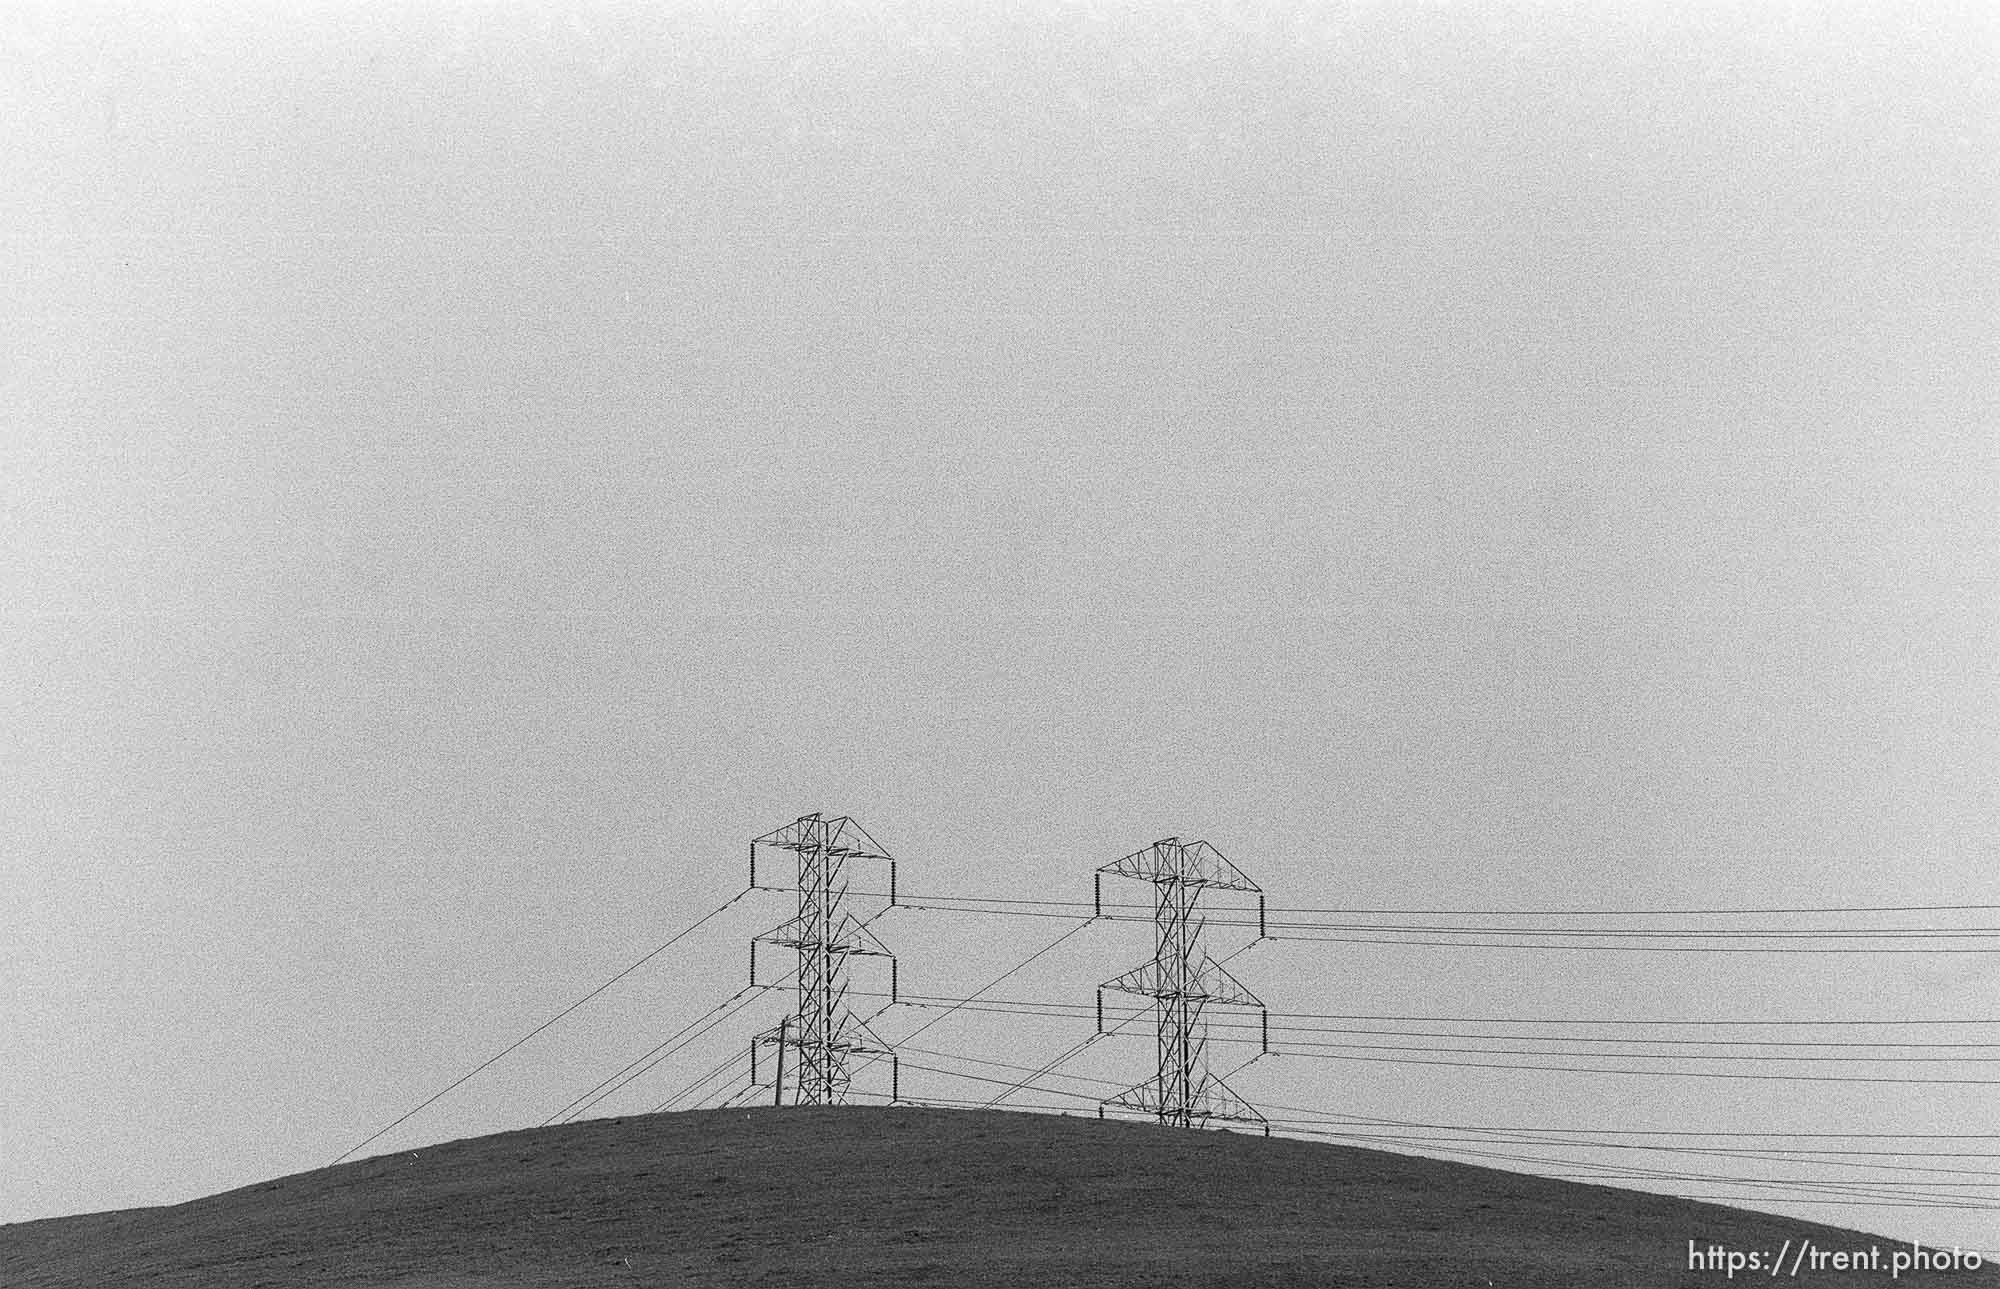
(1183, 981)
(818, 1047)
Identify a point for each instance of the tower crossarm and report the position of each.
(843, 1043)
(839, 836)
(1193, 863)
(1209, 983)
(1212, 1101)
(849, 937)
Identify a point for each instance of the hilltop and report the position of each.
(881, 1196)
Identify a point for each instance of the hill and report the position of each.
(878, 1196)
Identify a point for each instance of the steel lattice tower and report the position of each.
(823, 1035)
(1182, 981)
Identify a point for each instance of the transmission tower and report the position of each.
(818, 1046)
(1183, 981)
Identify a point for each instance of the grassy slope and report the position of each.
(871, 1196)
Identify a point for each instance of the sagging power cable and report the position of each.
(508, 1050)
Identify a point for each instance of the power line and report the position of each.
(996, 980)
(974, 1103)
(1878, 1190)
(1872, 1193)
(1629, 1020)
(1636, 933)
(1768, 1154)
(1073, 1051)
(650, 1060)
(1291, 1049)
(1658, 1074)
(1676, 1042)
(608, 1080)
(1300, 1048)
(1350, 911)
(1667, 1049)
(1815, 1135)
(721, 1067)
(1889, 1191)
(1595, 1139)
(1851, 1185)
(427, 1102)
(1574, 939)
(1862, 1189)
(1007, 1083)
(1408, 942)
(1067, 1010)
(1601, 1132)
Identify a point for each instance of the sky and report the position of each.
(466, 469)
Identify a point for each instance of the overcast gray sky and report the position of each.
(465, 469)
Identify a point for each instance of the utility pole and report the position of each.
(823, 1033)
(1182, 981)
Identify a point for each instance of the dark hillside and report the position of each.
(874, 1196)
